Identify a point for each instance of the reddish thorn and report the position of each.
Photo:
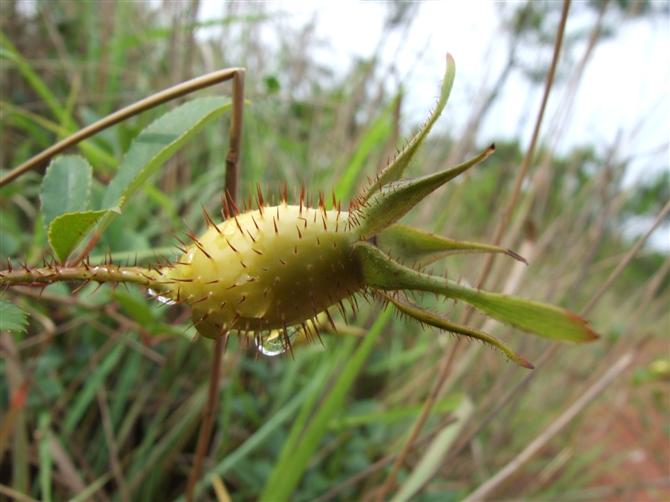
(236, 211)
(259, 195)
(231, 246)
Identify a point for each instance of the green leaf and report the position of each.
(396, 168)
(395, 199)
(148, 151)
(427, 317)
(69, 229)
(12, 318)
(382, 272)
(66, 187)
(158, 142)
(411, 244)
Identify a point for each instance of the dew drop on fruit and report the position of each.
(273, 344)
(162, 299)
(270, 347)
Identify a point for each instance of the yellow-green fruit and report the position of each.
(267, 269)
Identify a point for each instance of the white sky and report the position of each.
(626, 82)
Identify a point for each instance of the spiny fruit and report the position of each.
(268, 269)
(273, 269)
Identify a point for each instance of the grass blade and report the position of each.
(286, 476)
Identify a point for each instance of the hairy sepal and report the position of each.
(427, 317)
(411, 244)
(382, 272)
(395, 169)
(395, 199)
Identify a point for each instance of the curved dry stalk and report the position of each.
(232, 176)
(124, 113)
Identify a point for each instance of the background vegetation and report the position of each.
(102, 396)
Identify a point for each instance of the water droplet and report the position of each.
(273, 344)
(271, 347)
(162, 299)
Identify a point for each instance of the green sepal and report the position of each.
(428, 317)
(395, 169)
(411, 244)
(395, 199)
(382, 272)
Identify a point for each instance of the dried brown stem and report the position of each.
(207, 423)
(116, 117)
(232, 176)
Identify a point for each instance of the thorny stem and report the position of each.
(445, 365)
(84, 273)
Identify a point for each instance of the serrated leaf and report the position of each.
(68, 230)
(12, 318)
(382, 272)
(396, 168)
(157, 142)
(147, 152)
(395, 199)
(411, 244)
(66, 187)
